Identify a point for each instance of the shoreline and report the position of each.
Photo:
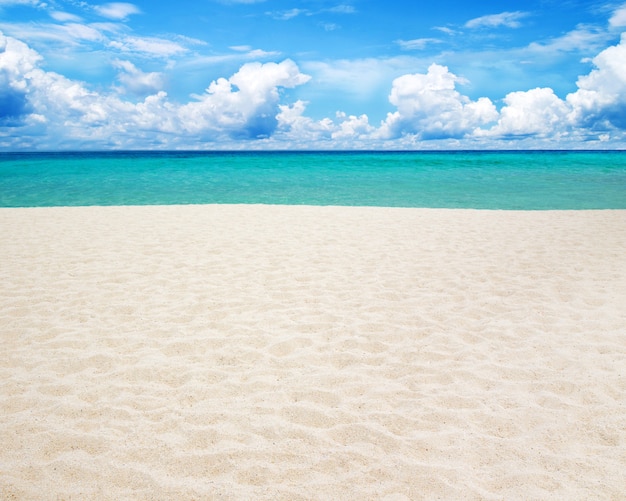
(303, 206)
(312, 352)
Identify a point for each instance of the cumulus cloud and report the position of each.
(12, 104)
(352, 127)
(345, 131)
(246, 104)
(618, 19)
(600, 100)
(16, 60)
(117, 10)
(537, 112)
(242, 106)
(506, 19)
(295, 127)
(136, 81)
(430, 106)
(599, 104)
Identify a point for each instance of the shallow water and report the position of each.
(482, 180)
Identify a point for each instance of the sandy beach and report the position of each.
(287, 353)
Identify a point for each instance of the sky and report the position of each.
(313, 74)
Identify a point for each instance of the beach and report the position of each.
(299, 352)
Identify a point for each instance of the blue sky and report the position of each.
(314, 74)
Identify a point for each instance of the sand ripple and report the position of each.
(258, 352)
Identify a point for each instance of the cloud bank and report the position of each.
(44, 110)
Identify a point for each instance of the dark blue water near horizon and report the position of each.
(520, 180)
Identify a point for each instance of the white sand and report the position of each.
(260, 352)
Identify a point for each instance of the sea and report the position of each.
(508, 180)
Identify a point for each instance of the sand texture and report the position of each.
(286, 353)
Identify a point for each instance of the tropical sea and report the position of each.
(529, 180)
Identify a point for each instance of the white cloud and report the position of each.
(47, 110)
(618, 19)
(601, 96)
(598, 105)
(260, 54)
(302, 131)
(16, 60)
(534, 112)
(352, 127)
(429, 106)
(243, 106)
(417, 44)
(246, 104)
(98, 37)
(445, 29)
(66, 35)
(242, 53)
(296, 128)
(152, 46)
(342, 9)
(34, 3)
(582, 38)
(506, 19)
(189, 40)
(82, 32)
(64, 17)
(117, 10)
(136, 81)
(286, 15)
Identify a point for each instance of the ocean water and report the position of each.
(481, 180)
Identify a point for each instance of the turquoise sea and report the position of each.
(532, 180)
